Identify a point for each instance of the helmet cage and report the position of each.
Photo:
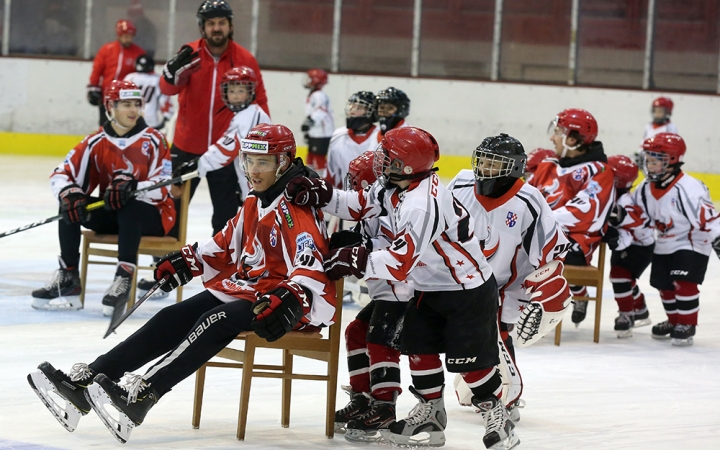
(237, 107)
(664, 158)
(387, 170)
(488, 165)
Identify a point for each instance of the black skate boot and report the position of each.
(133, 399)
(145, 285)
(424, 426)
(624, 324)
(662, 330)
(368, 427)
(64, 283)
(579, 311)
(69, 387)
(118, 294)
(359, 404)
(642, 315)
(499, 429)
(682, 335)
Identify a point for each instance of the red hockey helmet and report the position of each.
(405, 153)
(121, 90)
(360, 172)
(316, 79)
(244, 76)
(579, 120)
(669, 148)
(624, 170)
(267, 139)
(663, 102)
(124, 26)
(535, 157)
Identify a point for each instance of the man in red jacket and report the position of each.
(113, 61)
(195, 74)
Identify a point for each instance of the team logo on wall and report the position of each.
(511, 219)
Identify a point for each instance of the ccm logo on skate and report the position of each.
(679, 272)
(190, 259)
(205, 325)
(461, 360)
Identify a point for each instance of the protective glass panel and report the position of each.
(535, 40)
(150, 17)
(611, 42)
(186, 24)
(47, 27)
(456, 38)
(295, 34)
(376, 36)
(686, 45)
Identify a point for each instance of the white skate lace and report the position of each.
(55, 281)
(119, 286)
(134, 385)
(80, 372)
(494, 418)
(682, 327)
(419, 414)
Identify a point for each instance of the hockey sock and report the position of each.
(687, 299)
(578, 291)
(622, 280)
(668, 301)
(384, 372)
(427, 374)
(638, 299)
(357, 356)
(484, 383)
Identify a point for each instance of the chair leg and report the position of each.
(331, 395)
(198, 399)
(248, 364)
(179, 293)
(558, 333)
(286, 388)
(83, 270)
(133, 290)
(598, 310)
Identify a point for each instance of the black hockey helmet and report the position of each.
(360, 111)
(210, 9)
(144, 64)
(397, 98)
(497, 163)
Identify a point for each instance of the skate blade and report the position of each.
(363, 437)
(423, 439)
(624, 334)
(660, 337)
(340, 427)
(68, 416)
(641, 323)
(100, 401)
(57, 304)
(683, 342)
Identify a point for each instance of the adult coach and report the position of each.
(202, 116)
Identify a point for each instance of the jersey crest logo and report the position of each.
(511, 219)
(577, 174)
(273, 236)
(593, 189)
(145, 148)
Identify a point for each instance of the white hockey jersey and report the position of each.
(682, 214)
(346, 145)
(317, 107)
(433, 244)
(636, 228)
(520, 234)
(651, 129)
(157, 106)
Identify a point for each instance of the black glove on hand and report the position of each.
(181, 66)
(349, 238)
(73, 204)
(94, 94)
(716, 246)
(612, 238)
(307, 124)
(617, 215)
(120, 190)
(181, 266)
(305, 191)
(346, 261)
(280, 310)
(186, 168)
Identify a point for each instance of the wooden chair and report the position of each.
(149, 245)
(587, 276)
(295, 343)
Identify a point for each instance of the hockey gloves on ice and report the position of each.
(343, 262)
(549, 298)
(306, 191)
(280, 310)
(716, 246)
(120, 190)
(181, 266)
(94, 95)
(178, 70)
(73, 204)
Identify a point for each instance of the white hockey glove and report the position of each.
(549, 299)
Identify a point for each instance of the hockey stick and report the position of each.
(117, 319)
(101, 203)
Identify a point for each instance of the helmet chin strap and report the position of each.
(281, 164)
(567, 147)
(111, 118)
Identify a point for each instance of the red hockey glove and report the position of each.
(280, 310)
(181, 266)
(305, 191)
(346, 261)
(120, 190)
(73, 204)
(177, 71)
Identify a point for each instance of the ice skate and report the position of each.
(579, 311)
(642, 317)
(368, 427)
(682, 335)
(145, 285)
(118, 293)
(63, 394)
(514, 410)
(61, 293)
(133, 399)
(359, 404)
(662, 330)
(624, 324)
(423, 427)
(499, 429)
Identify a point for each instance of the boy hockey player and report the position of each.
(525, 246)
(158, 108)
(454, 310)
(661, 110)
(271, 251)
(393, 106)
(318, 125)
(579, 187)
(679, 207)
(122, 156)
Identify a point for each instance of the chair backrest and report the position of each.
(182, 213)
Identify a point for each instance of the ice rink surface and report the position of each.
(636, 393)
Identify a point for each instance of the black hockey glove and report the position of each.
(617, 215)
(305, 191)
(181, 266)
(73, 204)
(346, 261)
(94, 94)
(307, 124)
(181, 66)
(349, 238)
(120, 191)
(612, 238)
(280, 310)
(716, 246)
(185, 168)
